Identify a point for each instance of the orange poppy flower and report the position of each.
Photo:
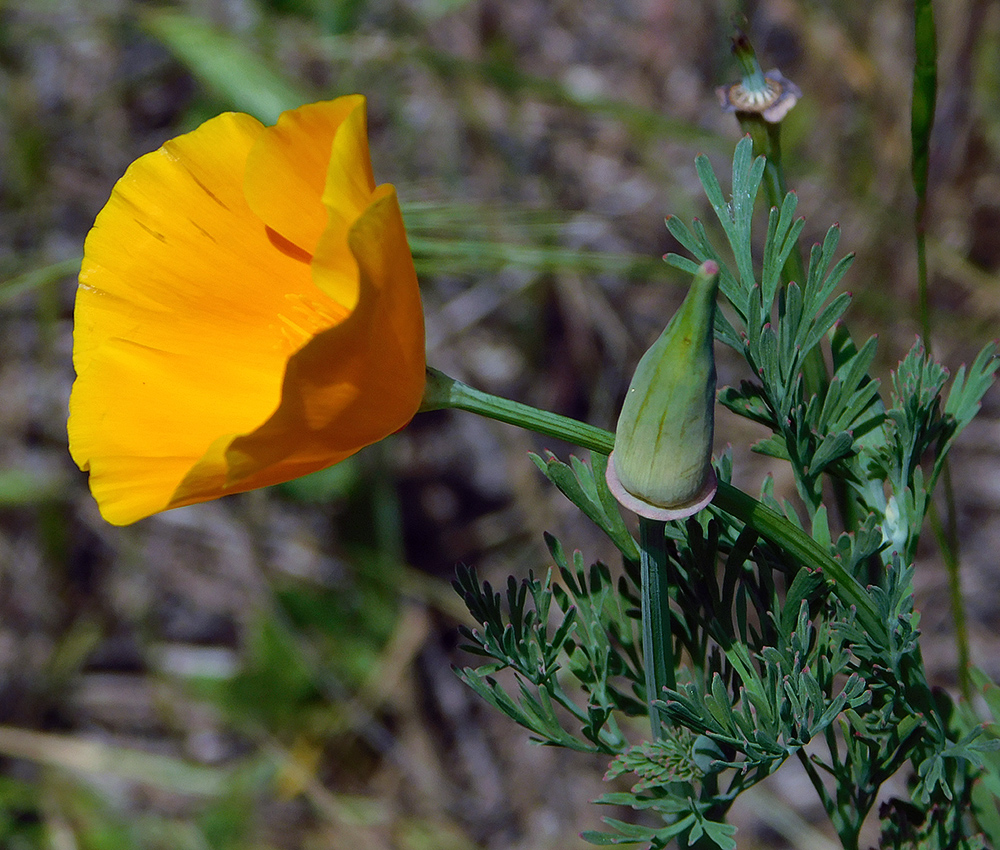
(247, 313)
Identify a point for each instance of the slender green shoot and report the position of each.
(657, 641)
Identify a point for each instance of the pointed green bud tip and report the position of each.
(661, 467)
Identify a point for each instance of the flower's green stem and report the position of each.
(444, 392)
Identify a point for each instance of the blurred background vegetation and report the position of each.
(273, 670)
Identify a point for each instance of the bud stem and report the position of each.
(657, 640)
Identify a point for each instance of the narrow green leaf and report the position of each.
(806, 585)
(685, 264)
(825, 320)
(970, 386)
(721, 833)
(458, 252)
(713, 190)
(606, 839)
(617, 529)
(679, 230)
(831, 449)
(24, 488)
(223, 63)
(820, 285)
(924, 92)
(585, 477)
(580, 485)
(38, 278)
(736, 218)
(770, 273)
(818, 296)
(734, 565)
(781, 241)
(792, 321)
(821, 527)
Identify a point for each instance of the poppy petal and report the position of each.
(298, 148)
(349, 386)
(197, 321)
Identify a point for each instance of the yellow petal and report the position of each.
(208, 359)
(286, 170)
(350, 386)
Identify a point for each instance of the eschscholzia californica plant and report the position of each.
(248, 312)
(661, 466)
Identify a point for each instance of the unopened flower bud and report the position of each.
(661, 467)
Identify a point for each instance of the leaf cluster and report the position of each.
(778, 654)
(838, 426)
(578, 674)
(779, 709)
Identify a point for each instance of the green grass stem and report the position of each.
(921, 126)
